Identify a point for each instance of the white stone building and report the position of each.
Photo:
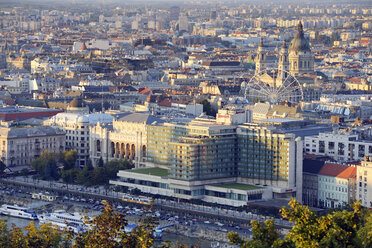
(126, 138)
(76, 126)
(341, 146)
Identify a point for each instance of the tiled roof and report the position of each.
(337, 170)
(350, 172)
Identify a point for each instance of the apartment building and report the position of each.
(19, 146)
(341, 146)
(364, 182)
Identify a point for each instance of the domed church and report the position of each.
(297, 59)
(301, 60)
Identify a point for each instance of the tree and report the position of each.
(46, 165)
(112, 167)
(85, 177)
(263, 235)
(69, 159)
(70, 176)
(365, 233)
(207, 108)
(347, 228)
(108, 232)
(100, 162)
(32, 237)
(2, 167)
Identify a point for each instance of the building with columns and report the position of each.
(125, 138)
(296, 59)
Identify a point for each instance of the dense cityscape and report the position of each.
(215, 119)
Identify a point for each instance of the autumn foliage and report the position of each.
(338, 229)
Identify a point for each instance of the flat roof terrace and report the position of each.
(159, 172)
(237, 186)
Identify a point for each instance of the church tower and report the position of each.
(260, 58)
(301, 59)
(283, 64)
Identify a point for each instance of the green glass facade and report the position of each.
(206, 157)
(197, 152)
(158, 139)
(263, 154)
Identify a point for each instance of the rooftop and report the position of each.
(159, 172)
(237, 186)
(337, 170)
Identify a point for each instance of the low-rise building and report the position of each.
(336, 185)
(340, 146)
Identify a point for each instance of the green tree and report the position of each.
(207, 108)
(347, 228)
(46, 165)
(100, 162)
(85, 176)
(365, 232)
(70, 176)
(108, 232)
(69, 159)
(2, 167)
(112, 167)
(263, 235)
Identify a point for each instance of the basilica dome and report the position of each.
(299, 43)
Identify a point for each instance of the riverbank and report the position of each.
(189, 235)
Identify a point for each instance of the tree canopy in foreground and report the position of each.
(347, 228)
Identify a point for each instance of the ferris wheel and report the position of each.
(274, 86)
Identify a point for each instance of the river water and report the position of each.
(166, 236)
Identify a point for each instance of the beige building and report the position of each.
(364, 182)
(19, 146)
(76, 125)
(125, 138)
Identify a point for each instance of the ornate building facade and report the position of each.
(297, 58)
(125, 138)
(301, 60)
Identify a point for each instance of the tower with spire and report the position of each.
(283, 63)
(260, 58)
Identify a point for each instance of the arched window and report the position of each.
(127, 151)
(144, 151)
(122, 150)
(98, 145)
(112, 149)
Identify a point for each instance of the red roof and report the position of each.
(356, 80)
(350, 172)
(145, 91)
(165, 103)
(337, 170)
